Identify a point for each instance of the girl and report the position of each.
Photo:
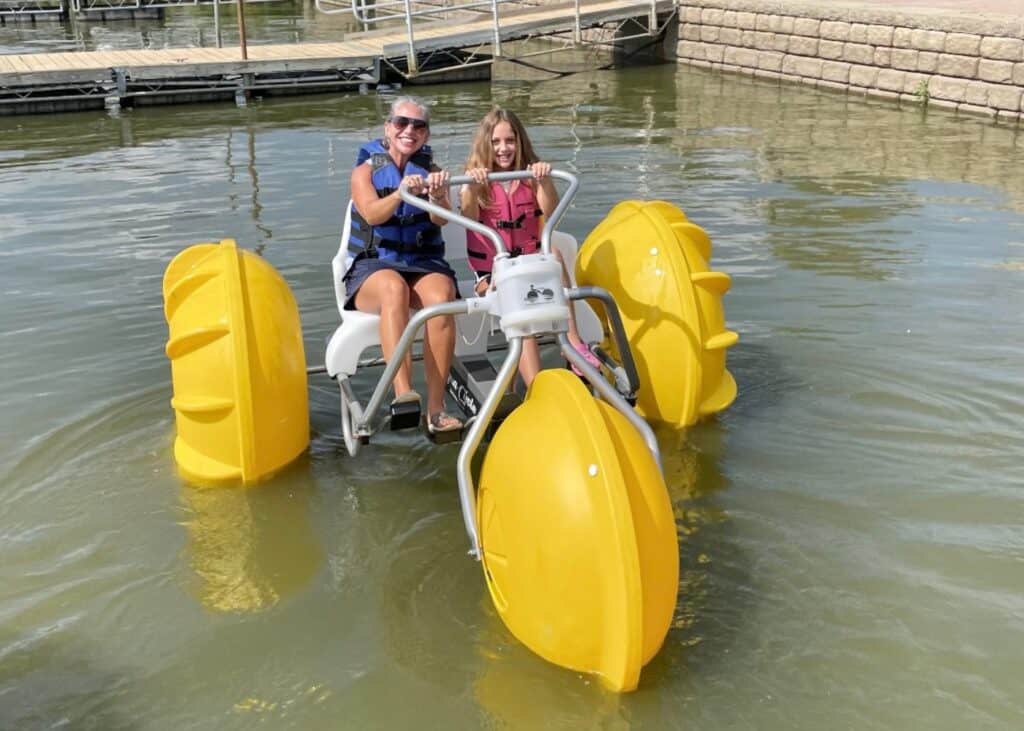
(513, 209)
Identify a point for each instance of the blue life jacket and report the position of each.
(409, 231)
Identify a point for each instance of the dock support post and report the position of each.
(241, 29)
(112, 102)
(497, 31)
(413, 69)
(216, 21)
(577, 30)
(244, 90)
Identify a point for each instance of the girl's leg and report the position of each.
(574, 334)
(386, 293)
(439, 342)
(529, 361)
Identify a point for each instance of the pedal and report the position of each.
(470, 380)
(405, 415)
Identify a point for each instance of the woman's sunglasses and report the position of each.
(403, 122)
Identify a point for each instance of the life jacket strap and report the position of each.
(515, 223)
(428, 243)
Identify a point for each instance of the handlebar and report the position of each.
(491, 234)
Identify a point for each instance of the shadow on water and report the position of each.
(48, 682)
(711, 610)
(762, 377)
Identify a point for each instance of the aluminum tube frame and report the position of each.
(363, 425)
(350, 413)
(617, 328)
(436, 210)
(467, 490)
(609, 394)
(495, 238)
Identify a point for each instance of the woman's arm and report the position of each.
(374, 209)
(438, 191)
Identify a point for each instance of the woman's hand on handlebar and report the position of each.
(438, 183)
(435, 184)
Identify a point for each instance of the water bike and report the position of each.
(569, 515)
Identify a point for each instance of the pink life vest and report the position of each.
(516, 218)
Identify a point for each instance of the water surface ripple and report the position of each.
(851, 530)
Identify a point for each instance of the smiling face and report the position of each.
(407, 130)
(504, 145)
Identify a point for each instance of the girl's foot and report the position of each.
(592, 359)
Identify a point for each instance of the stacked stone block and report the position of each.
(971, 64)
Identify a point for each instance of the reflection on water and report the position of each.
(836, 524)
(249, 548)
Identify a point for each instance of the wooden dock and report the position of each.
(50, 82)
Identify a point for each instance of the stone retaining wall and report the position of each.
(972, 64)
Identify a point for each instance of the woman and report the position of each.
(399, 253)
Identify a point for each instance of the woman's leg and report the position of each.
(439, 342)
(386, 293)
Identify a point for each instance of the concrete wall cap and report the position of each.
(852, 11)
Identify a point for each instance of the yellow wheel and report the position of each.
(578, 540)
(654, 262)
(238, 367)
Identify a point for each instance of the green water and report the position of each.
(851, 529)
(278, 21)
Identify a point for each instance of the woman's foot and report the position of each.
(441, 422)
(406, 397)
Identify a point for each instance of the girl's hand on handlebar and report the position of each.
(482, 285)
(479, 175)
(540, 170)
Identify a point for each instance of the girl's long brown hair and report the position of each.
(481, 153)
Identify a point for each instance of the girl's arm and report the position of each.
(469, 196)
(544, 186)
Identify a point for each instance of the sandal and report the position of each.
(592, 359)
(408, 397)
(441, 422)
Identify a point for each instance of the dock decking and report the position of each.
(91, 79)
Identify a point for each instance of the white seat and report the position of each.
(360, 330)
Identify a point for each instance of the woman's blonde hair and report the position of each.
(481, 153)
